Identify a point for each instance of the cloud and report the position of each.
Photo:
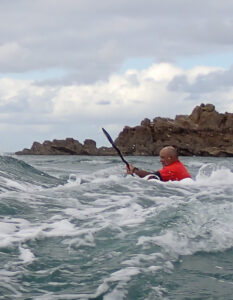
(91, 40)
(124, 96)
(13, 57)
(213, 80)
(149, 91)
(126, 99)
(61, 64)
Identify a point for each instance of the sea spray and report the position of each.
(76, 227)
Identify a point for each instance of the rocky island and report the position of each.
(203, 133)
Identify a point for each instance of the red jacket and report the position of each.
(175, 171)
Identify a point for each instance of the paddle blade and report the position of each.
(108, 137)
(115, 147)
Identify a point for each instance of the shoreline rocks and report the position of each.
(69, 146)
(203, 133)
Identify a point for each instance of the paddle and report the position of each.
(115, 147)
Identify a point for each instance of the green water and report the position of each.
(75, 227)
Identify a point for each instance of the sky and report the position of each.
(70, 67)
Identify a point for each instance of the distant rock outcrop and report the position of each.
(204, 133)
(68, 146)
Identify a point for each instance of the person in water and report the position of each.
(172, 169)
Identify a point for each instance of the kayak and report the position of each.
(151, 177)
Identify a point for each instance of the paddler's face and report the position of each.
(165, 158)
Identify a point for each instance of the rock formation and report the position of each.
(204, 133)
(68, 146)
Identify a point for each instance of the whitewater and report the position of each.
(78, 227)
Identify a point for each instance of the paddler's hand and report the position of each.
(130, 169)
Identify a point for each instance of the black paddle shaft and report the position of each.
(115, 147)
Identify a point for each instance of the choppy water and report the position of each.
(75, 227)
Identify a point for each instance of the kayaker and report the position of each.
(172, 169)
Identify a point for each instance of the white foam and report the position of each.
(212, 174)
(116, 294)
(59, 228)
(26, 255)
(124, 274)
(154, 260)
(73, 178)
(13, 230)
(19, 186)
(163, 219)
(128, 216)
(94, 162)
(206, 227)
(20, 230)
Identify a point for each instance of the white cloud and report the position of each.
(137, 94)
(121, 100)
(81, 46)
(122, 96)
(92, 39)
(126, 94)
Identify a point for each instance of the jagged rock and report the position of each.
(204, 133)
(68, 146)
(145, 122)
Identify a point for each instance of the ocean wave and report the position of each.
(98, 233)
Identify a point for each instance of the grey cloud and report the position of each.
(85, 75)
(104, 102)
(92, 38)
(211, 82)
(12, 107)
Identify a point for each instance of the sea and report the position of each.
(78, 227)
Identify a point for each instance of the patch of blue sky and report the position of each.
(37, 75)
(224, 60)
(138, 63)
